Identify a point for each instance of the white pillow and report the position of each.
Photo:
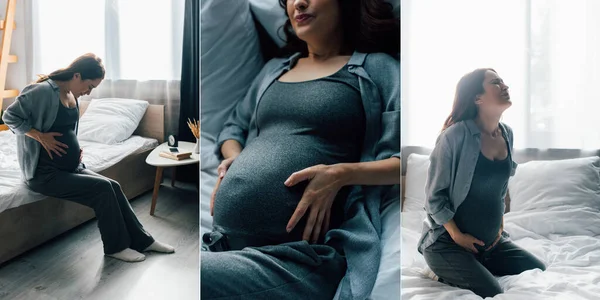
(417, 166)
(556, 185)
(231, 60)
(111, 120)
(271, 16)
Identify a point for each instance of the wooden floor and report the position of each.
(73, 266)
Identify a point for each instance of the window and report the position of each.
(546, 51)
(137, 39)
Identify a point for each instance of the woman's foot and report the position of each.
(160, 247)
(128, 255)
(429, 273)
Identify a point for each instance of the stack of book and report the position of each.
(176, 155)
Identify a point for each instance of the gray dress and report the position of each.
(300, 125)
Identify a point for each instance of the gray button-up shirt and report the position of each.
(453, 162)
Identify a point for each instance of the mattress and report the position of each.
(97, 157)
(387, 284)
(572, 261)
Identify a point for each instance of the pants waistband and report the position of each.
(217, 241)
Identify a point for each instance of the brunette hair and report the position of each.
(88, 65)
(369, 26)
(468, 88)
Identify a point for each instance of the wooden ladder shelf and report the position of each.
(7, 26)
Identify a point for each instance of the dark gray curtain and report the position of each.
(190, 70)
(190, 83)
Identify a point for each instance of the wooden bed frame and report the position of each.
(25, 227)
(519, 156)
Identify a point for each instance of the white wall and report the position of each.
(16, 75)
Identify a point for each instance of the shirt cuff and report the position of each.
(442, 216)
(22, 129)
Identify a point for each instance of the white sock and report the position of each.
(128, 255)
(429, 273)
(160, 247)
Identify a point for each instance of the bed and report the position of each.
(553, 211)
(28, 219)
(387, 282)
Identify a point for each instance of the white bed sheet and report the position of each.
(573, 262)
(387, 283)
(97, 157)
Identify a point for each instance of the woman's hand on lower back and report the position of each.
(221, 170)
(324, 184)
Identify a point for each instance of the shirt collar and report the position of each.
(52, 84)
(473, 129)
(357, 59)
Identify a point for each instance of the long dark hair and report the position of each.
(88, 65)
(369, 26)
(468, 88)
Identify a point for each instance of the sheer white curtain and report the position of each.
(547, 51)
(140, 42)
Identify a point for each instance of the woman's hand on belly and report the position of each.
(498, 237)
(50, 144)
(325, 183)
(221, 170)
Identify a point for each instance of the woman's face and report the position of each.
(495, 98)
(81, 87)
(315, 20)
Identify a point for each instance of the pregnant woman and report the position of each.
(45, 117)
(463, 241)
(309, 152)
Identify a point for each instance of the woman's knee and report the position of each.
(103, 186)
(535, 263)
(115, 185)
(490, 289)
(483, 286)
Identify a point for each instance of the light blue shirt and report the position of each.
(452, 164)
(379, 80)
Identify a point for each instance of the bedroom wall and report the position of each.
(17, 74)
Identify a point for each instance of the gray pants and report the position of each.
(456, 266)
(294, 270)
(118, 224)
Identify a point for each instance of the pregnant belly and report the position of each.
(67, 162)
(252, 198)
(481, 221)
